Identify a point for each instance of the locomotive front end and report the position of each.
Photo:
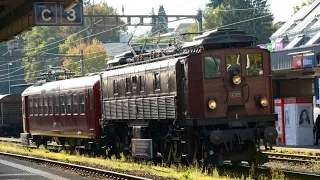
(230, 103)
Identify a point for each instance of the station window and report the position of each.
(56, 103)
(50, 107)
(212, 67)
(141, 83)
(30, 106)
(254, 64)
(45, 105)
(35, 106)
(68, 97)
(81, 101)
(156, 81)
(115, 86)
(128, 85)
(75, 104)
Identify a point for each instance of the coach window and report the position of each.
(62, 105)
(68, 96)
(45, 105)
(254, 64)
(75, 104)
(81, 101)
(115, 86)
(212, 67)
(128, 85)
(30, 106)
(141, 83)
(50, 107)
(35, 106)
(91, 99)
(157, 81)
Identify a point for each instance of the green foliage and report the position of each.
(297, 8)
(95, 56)
(225, 15)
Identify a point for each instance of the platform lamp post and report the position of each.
(9, 64)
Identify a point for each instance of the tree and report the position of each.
(153, 21)
(162, 22)
(95, 57)
(245, 19)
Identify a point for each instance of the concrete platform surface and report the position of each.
(12, 169)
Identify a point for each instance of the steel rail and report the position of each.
(93, 171)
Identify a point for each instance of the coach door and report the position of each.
(234, 80)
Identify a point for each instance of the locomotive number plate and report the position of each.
(235, 94)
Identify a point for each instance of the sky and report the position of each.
(282, 9)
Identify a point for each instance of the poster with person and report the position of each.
(305, 116)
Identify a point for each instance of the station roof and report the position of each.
(16, 16)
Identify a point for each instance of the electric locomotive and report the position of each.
(209, 99)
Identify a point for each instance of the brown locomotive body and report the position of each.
(211, 102)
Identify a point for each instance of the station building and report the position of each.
(295, 61)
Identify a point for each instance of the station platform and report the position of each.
(311, 150)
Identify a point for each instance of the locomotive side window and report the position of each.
(75, 104)
(56, 103)
(50, 107)
(62, 107)
(91, 99)
(142, 83)
(212, 67)
(30, 106)
(81, 101)
(254, 64)
(156, 81)
(40, 106)
(134, 84)
(115, 86)
(35, 106)
(68, 96)
(45, 105)
(128, 85)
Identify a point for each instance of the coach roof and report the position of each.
(68, 84)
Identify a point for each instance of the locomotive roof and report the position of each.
(68, 84)
(142, 67)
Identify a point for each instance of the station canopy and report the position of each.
(16, 16)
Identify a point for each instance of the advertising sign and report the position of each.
(308, 60)
(279, 109)
(297, 62)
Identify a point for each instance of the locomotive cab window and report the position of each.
(75, 104)
(45, 105)
(56, 103)
(62, 105)
(50, 105)
(35, 106)
(40, 106)
(134, 84)
(68, 97)
(254, 64)
(212, 67)
(157, 81)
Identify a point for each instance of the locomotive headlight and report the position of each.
(212, 104)
(264, 102)
(236, 80)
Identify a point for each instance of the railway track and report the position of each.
(75, 167)
(243, 168)
(293, 157)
